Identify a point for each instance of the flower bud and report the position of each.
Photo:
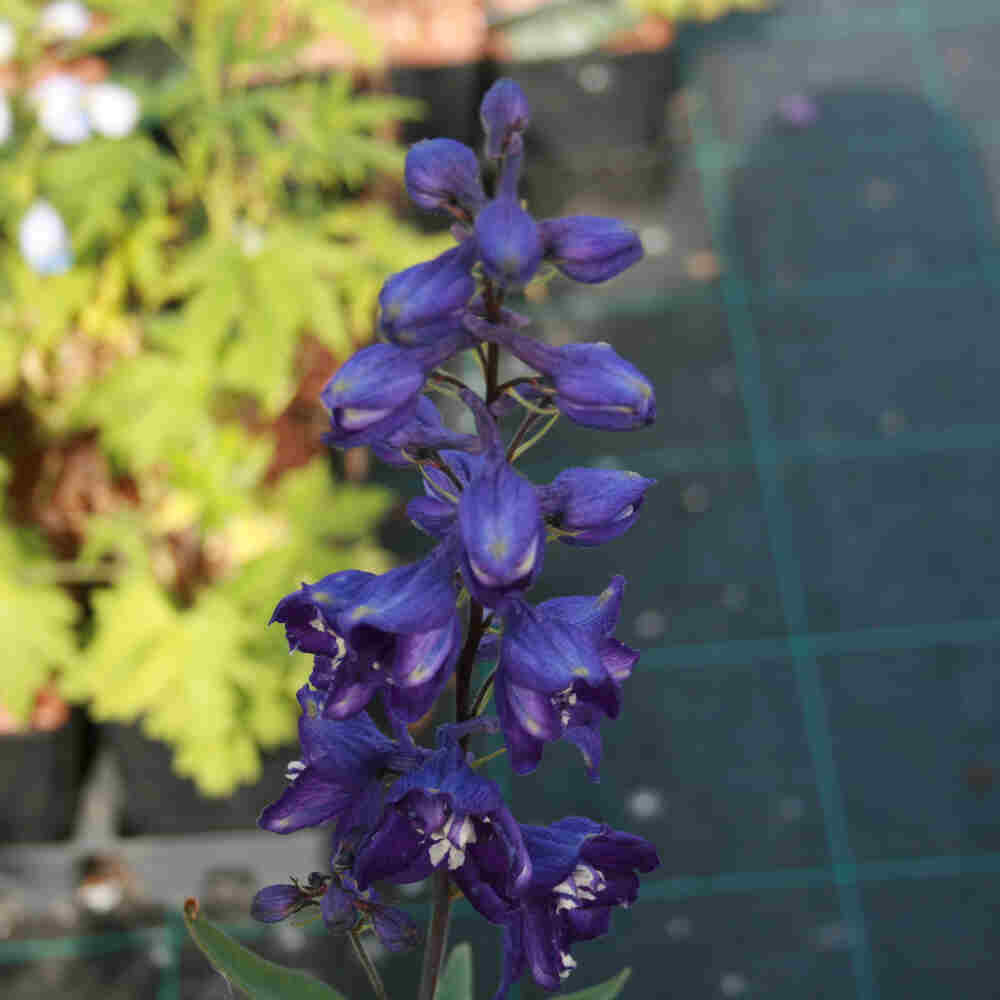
(502, 533)
(593, 505)
(504, 113)
(64, 20)
(597, 388)
(442, 175)
(113, 110)
(376, 391)
(589, 248)
(372, 394)
(420, 303)
(275, 902)
(510, 244)
(594, 386)
(61, 111)
(44, 241)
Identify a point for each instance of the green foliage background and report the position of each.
(235, 221)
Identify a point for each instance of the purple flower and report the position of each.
(504, 113)
(423, 303)
(581, 870)
(559, 675)
(276, 902)
(339, 777)
(424, 430)
(502, 532)
(591, 506)
(442, 175)
(343, 905)
(443, 815)
(345, 908)
(593, 385)
(510, 244)
(375, 392)
(398, 632)
(588, 248)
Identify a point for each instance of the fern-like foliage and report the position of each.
(231, 227)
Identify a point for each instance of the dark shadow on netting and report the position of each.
(862, 240)
(861, 243)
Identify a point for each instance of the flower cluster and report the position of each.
(68, 110)
(399, 811)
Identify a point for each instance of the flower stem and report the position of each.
(368, 965)
(437, 936)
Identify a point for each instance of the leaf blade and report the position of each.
(255, 976)
(456, 980)
(607, 990)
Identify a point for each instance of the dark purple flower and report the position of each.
(502, 532)
(593, 385)
(345, 908)
(591, 506)
(444, 815)
(510, 244)
(398, 632)
(598, 617)
(375, 392)
(339, 777)
(309, 614)
(424, 430)
(581, 870)
(424, 302)
(442, 175)
(588, 248)
(276, 902)
(505, 114)
(559, 675)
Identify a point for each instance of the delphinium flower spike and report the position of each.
(402, 812)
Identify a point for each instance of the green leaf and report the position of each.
(36, 622)
(603, 991)
(255, 976)
(456, 981)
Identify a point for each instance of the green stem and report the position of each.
(368, 965)
(437, 936)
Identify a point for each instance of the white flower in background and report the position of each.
(113, 110)
(44, 241)
(8, 41)
(6, 119)
(64, 20)
(61, 110)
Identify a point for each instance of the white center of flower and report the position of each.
(568, 964)
(563, 701)
(294, 769)
(580, 887)
(448, 844)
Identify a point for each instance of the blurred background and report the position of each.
(199, 200)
